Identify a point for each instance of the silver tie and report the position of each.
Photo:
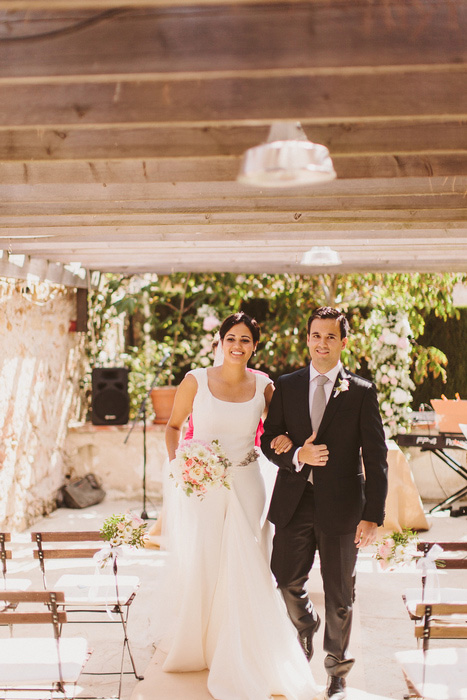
(319, 402)
(317, 408)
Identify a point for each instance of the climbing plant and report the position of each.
(141, 319)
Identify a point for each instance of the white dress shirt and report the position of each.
(328, 387)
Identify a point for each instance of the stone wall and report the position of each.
(41, 363)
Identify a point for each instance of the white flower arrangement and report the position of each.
(397, 549)
(125, 528)
(200, 467)
(119, 530)
(390, 363)
(342, 386)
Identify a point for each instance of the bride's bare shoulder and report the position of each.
(188, 386)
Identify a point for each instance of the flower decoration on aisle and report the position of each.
(390, 361)
(200, 467)
(397, 549)
(125, 529)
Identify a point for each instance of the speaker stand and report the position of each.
(142, 413)
(144, 513)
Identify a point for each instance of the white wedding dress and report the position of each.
(221, 609)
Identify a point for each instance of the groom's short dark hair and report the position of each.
(330, 312)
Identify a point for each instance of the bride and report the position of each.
(221, 609)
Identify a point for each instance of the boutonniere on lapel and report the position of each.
(342, 386)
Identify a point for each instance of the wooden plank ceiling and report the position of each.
(122, 128)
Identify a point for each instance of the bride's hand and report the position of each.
(281, 443)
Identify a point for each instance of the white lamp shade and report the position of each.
(322, 256)
(287, 162)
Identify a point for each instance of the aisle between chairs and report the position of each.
(158, 685)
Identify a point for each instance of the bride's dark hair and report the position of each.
(235, 319)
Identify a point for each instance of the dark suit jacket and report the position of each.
(351, 427)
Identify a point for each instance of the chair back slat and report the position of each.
(31, 596)
(78, 553)
(447, 546)
(440, 631)
(70, 536)
(452, 563)
(456, 562)
(31, 618)
(439, 609)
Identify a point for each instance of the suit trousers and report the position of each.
(294, 549)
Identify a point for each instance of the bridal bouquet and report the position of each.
(199, 467)
(396, 549)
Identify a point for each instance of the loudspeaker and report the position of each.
(110, 400)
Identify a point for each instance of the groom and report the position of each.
(324, 498)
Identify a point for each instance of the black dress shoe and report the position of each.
(336, 688)
(306, 639)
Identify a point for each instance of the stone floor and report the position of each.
(381, 624)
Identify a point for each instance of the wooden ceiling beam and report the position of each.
(181, 35)
(434, 206)
(89, 256)
(264, 96)
(291, 235)
(257, 266)
(225, 169)
(146, 141)
(184, 221)
(16, 5)
(20, 184)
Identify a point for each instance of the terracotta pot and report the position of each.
(162, 401)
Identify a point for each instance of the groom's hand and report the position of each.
(316, 455)
(365, 534)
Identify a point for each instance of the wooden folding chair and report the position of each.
(437, 674)
(97, 595)
(50, 664)
(454, 556)
(414, 597)
(441, 621)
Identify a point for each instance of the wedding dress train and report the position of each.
(221, 609)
